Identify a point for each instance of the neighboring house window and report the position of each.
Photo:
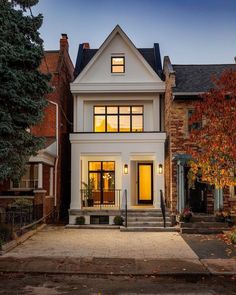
(118, 118)
(117, 64)
(29, 180)
(193, 126)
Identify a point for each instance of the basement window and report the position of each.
(99, 219)
(117, 64)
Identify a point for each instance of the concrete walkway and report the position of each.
(57, 250)
(61, 242)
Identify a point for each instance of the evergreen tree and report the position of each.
(22, 86)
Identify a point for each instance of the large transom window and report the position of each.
(118, 118)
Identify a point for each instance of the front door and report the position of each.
(145, 183)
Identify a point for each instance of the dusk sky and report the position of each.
(189, 31)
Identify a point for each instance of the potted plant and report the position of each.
(186, 215)
(80, 220)
(220, 216)
(88, 192)
(233, 237)
(118, 220)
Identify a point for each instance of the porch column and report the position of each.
(218, 199)
(125, 182)
(158, 177)
(75, 178)
(51, 182)
(40, 175)
(180, 187)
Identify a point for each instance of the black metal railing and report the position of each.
(126, 209)
(163, 208)
(101, 198)
(20, 216)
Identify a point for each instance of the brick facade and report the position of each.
(176, 127)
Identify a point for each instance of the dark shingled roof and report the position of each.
(198, 78)
(152, 56)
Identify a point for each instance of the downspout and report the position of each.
(57, 153)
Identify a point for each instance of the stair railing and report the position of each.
(163, 208)
(126, 208)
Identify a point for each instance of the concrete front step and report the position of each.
(205, 218)
(202, 230)
(144, 214)
(146, 218)
(203, 224)
(147, 224)
(148, 229)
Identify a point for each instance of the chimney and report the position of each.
(235, 59)
(63, 42)
(86, 45)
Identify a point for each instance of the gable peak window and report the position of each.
(117, 64)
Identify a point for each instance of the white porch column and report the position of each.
(158, 178)
(218, 199)
(125, 182)
(75, 177)
(51, 182)
(180, 187)
(40, 175)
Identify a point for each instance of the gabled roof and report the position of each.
(151, 55)
(197, 78)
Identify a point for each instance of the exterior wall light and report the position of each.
(126, 169)
(160, 169)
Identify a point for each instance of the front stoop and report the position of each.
(203, 225)
(149, 229)
(149, 220)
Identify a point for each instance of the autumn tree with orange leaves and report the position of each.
(213, 148)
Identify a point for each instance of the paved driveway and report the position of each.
(60, 242)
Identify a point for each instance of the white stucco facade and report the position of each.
(97, 86)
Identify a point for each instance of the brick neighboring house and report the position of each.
(184, 84)
(47, 179)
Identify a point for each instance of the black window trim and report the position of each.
(123, 65)
(118, 114)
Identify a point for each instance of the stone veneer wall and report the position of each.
(176, 127)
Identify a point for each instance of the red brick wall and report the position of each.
(47, 127)
(46, 178)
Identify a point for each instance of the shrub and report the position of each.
(80, 220)
(233, 237)
(5, 233)
(118, 220)
(186, 215)
(21, 202)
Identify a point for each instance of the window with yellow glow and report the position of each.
(117, 64)
(118, 119)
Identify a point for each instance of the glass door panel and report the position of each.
(108, 187)
(145, 183)
(95, 181)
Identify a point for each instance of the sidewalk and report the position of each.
(56, 250)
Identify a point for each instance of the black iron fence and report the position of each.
(19, 216)
(101, 198)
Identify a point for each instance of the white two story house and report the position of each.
(118, 139)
